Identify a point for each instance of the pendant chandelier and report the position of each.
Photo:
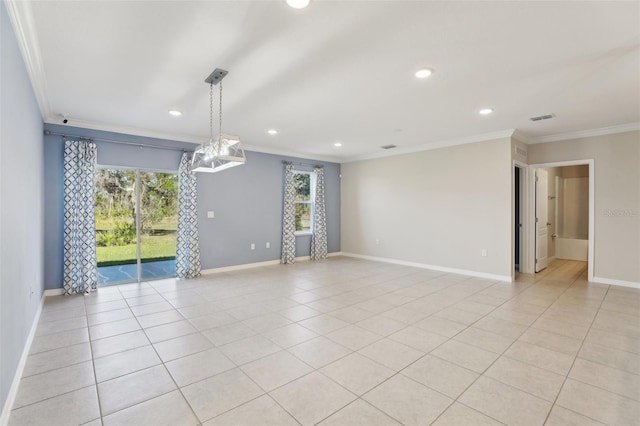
(224, 151)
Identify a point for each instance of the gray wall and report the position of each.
(440, 207)
(617, 197)
(21, 206)
(247, 200)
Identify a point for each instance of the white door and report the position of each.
(541, 219)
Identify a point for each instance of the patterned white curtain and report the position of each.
(187, 247)
(319, 236)
(80, 267)
(288, 218)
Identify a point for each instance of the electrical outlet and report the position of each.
(484, 252)
(268, 245)
(377, 241)
(210, 214)
(253, 246)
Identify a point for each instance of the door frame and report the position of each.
(530, 248)
(524, 216)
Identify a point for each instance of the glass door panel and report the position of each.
(158, 220)
(116, 236)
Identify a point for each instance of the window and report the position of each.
(305, 185)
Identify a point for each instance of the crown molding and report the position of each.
(521, 137)
(21, 18)
(295, 154)
(433, 145)
(630, 127)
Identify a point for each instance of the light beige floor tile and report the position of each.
(323, 324)
(312, 398)
(459, 315)
(618, 322)
(169, 331)
(560, 327)
(144, 300)
(351, 314)
(262, 411)
(290, 335)
(562, 417)
(109, 316)
(220, 393)
(276, 370)
(151, 308)
(418, 338)
(484, 339)
(77, 407)
(122, 363)
(615, 358)
(375, 305)
(500, 326)
(119, 343)
(405, 315)
(357, 373)
(319, 352)
(57, 358)
(613, 341)
(299, 313)
(52, 383)
(129, 390)
(249, 349)
(443, 376)
(471, 306)
(540, 357)
(353, 337)
(264, 323)
(408, 401)
(440, 326)
(461, 415)
(466, 356)
(536, 381)
(199, 366)
(202, 309)
(359, 413)
(555, 342)
(166, 410)
(107, 306)
(391, 354)
(381, 325)
(228, 333)
(617, 381)
(214, 320)
(505, 403)
(159, 318)
(182, 346)
(598, 404)
(114, 328)
(59, 340)
(59, 326)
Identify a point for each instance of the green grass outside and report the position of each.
(157, 247)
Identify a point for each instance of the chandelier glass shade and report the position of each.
(224, 151)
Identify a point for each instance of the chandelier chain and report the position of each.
(220, 123)
(210, 112)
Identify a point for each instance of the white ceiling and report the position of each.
(335, 71)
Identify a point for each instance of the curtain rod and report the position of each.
(91, 138)
(302, 164)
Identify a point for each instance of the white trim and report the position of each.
(21, 18)
(54, 292)
(13, 390)
(630, 127)
(133, 131)
(258, 264)
(610, 281)
(524, 214)
(592, 213)
(484, 275)
(432, 145)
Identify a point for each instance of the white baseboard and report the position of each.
(258, 264)
(13, 390)
(54, 292)
(484, 275)
(620, 283)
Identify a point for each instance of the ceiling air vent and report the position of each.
(388, 146)
(542, 117)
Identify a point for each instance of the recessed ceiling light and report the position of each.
(424, 73)
(337, 144)
(175, 112)
(298, 4)
(272, 131)
(485, 111)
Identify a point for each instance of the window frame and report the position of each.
(311, 202)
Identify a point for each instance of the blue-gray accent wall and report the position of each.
(246, 200)
(21, 206)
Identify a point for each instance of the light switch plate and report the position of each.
(210, 214)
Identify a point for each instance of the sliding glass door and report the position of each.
(136, 217)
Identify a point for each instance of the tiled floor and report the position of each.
(340, 342)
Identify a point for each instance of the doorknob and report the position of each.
(548, 224)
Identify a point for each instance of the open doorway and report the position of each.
(562, 207)
(518, 215)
